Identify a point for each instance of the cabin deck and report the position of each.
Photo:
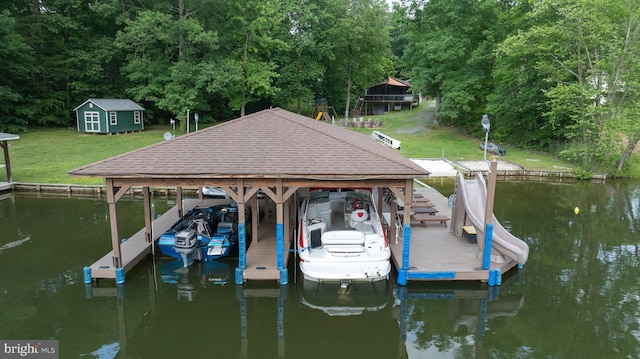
(437, 254)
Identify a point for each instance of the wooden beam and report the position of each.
(148, 221)
(196, 182)
(5, 147)
(113, 219)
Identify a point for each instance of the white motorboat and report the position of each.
(341, 237)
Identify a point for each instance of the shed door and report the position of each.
(92, 121)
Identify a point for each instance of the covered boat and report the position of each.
(205, 234)
(341, 237)
(493, 148)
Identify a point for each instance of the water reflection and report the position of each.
(576, 297)
(355, 299)
(199, 275)
(461, 321)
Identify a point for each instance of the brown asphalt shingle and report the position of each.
(270, 143)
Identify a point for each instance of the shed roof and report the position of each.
(113, 104)
(272, 143)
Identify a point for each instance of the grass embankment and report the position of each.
(46, 155)
(422, 138)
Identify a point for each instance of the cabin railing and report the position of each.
(390, 98)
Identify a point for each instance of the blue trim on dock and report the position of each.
(120, 275)
(431, 275)
(242, 253)
(284, 273)
(406, 251)
(86, 271)
(488, 243)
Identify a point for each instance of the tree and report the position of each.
(169, 58)
(300, 64)
(582, 56)
(361, 45)
(248, 43)
(16, 66)
(450, 55)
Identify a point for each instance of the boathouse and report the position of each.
(276, 151)
(109, 116)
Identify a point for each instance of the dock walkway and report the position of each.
(437, 254)
(4, 186)
(262, 256)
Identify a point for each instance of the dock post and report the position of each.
(242, 253)
(87, 274)
(406, 250)
(488, 241)
(120, 275)
(284, 274)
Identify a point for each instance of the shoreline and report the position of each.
(439, 168)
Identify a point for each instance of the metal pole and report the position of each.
(188, 121)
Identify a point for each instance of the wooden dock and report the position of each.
(4, 186)
(135, 248)
(437, 254)
(261, 255)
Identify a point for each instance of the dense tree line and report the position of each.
(551, 74)
(219, 57)
(559, 75)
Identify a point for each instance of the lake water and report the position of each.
(577, 296)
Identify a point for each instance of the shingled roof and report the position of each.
(272, 143)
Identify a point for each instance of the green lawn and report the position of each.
(421, 138)
(45, 155)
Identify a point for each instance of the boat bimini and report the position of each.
(341, 237)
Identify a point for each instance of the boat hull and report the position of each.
(342, 238)
(359, 271)
(219, 240)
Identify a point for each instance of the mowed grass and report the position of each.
(46, 155)
(422, 138)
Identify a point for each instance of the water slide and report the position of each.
(472, 194)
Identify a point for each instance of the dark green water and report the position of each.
(577, 297)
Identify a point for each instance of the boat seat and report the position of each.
(321, 210)
(224, 227)
(342, 238)
(357, 216)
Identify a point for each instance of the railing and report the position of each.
(390, 98)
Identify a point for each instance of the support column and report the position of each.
(113, 219)
(284, 273)
(179, 202)
(406, 249)
(148, 221)
(7, 163)
(242, 235)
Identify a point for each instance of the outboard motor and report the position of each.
(187, 246)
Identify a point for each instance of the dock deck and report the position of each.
(437, 254)
(135, 248)
(261, 256)
(4, 185)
